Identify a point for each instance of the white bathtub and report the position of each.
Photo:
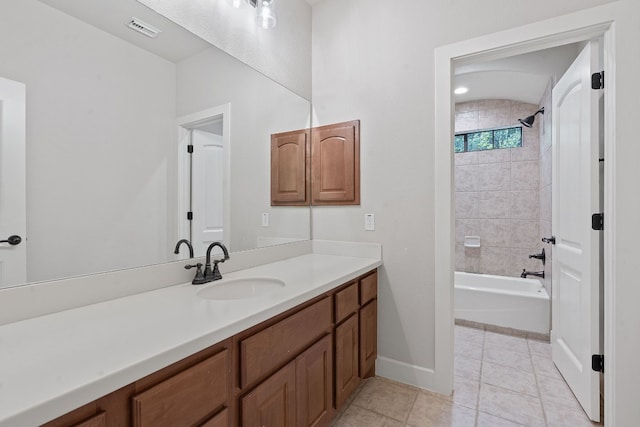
(510, 302)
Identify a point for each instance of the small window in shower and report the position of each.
(488, 139)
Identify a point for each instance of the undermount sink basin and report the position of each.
(241, 288)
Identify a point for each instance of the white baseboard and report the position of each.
(395, 370)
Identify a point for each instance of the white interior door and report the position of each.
(575, 334)
(207, 191)
(13, 257)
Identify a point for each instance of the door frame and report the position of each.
(184, 124)
(575, 27)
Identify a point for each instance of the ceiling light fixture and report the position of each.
(266, 12)
(461, 90)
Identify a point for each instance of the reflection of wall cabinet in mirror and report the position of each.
(290, 168)
(335, 166)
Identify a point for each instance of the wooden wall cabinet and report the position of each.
(322, 171)
(295, 369)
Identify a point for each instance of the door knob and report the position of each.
(12, 240)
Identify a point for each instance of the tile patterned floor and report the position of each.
(500, 381)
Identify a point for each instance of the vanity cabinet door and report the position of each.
(290, 177)
(273, 402)
(347, 360)
(368, 338)
(220, 420)
(314, 385)
(335, 154)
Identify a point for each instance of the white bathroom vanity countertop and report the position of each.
(52, 364)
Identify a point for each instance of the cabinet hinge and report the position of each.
(597, 362)
(597, 221)
(597, 80)
(189, 216)
(189, 148)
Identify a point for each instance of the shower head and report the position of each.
(528, 121)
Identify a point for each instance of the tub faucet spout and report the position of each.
(526, 273)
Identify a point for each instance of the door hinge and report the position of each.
(551, 240)
(189, 148)
(597, 80)
(597, 362)
(190, 216)
(597, 221)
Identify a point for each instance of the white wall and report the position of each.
(99, 122)
(283, 53)
(259, 107)
(374, 61)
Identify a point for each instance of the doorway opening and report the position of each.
(510, 43)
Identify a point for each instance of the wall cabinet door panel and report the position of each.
(273, 402)
(347, 360)
(314, 376)
(335, 154)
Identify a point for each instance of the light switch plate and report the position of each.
(265, 219)
(369, 222)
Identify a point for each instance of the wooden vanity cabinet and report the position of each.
(295, 369)
(200, 383)
(356, 339)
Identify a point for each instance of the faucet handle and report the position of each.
(199, 278)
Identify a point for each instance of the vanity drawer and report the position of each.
(368, 288)
(99, 420)
(187, 397)
(270, 348)
(346, 302)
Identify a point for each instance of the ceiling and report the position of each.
(521, 78)
(174, 42)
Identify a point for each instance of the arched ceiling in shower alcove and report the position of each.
(521, 78)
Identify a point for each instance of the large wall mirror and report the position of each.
(109, 115)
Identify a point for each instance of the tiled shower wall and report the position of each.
(498, 192)
(545, 182)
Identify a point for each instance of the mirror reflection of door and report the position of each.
(203, 179)
(13, 257)
(207, 198)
